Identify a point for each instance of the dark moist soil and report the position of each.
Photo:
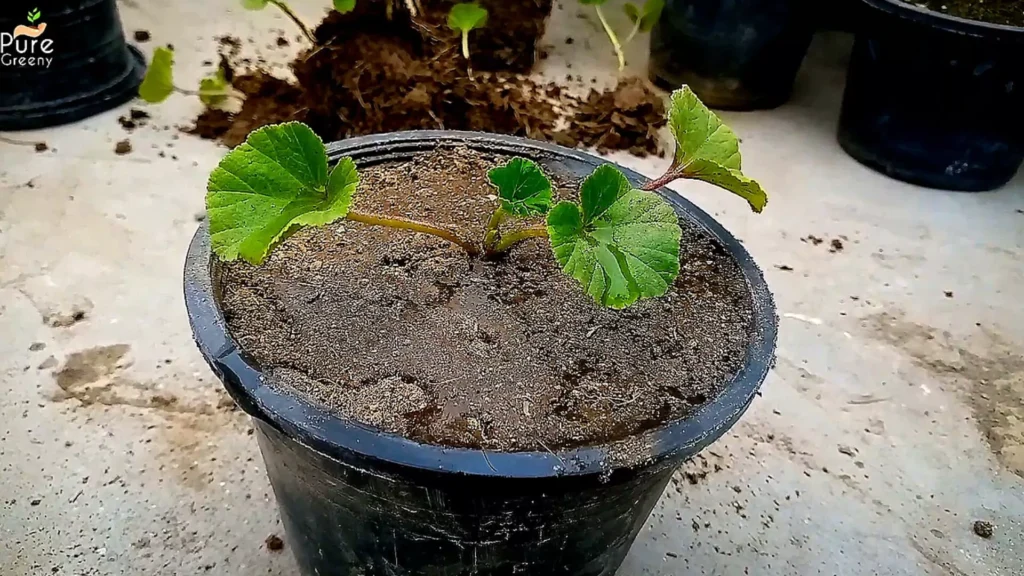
(1009, 12)
(404, 332)
(370, 75)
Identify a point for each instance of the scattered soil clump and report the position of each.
(404, 332)
(369, 74)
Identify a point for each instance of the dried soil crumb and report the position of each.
(784, 267)
(36, 346)
(405, 332)
(357, 81)
(274, 543)
(983, 528)
(42, 146)
(811, 238)
(142, 35)
(836, 245)
(123, 147)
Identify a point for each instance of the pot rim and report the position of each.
(955, 24)
(334, 435)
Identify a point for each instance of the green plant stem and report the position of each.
(302, 25)
(512, 238)
(227, 93)
(611, 36)
(671, 175)
(492, 233)
(465, 44)
(633, 33)
(422, 227)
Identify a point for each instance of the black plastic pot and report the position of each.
(355, 500)
(92, 68)
(935, 100)
(735, 54)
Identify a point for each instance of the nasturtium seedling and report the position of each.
(158, 83)
(278, 179)
(620, 243)
(344, 6)
(464, 18)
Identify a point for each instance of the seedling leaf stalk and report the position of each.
(643, 18)
(158, 83)
(286, 9)
(619, 242)
(464, 18)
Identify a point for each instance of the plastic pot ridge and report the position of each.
(358, 501)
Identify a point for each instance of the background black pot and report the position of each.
(935, 100)
(735, 54)
(355, 500)
(92, 68)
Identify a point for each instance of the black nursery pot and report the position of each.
(90, 67)
(355, 500)
(935, 100)
(735, 54)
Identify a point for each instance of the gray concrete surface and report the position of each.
(893, 420)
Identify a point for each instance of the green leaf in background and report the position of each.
(621, 244)
(158, 83)
(467, 16)
(275, 181)
(523, 188)
(708, 150)
(645, 18)
(592, 2)
(344, 6)
(255, 4)
(213, 89)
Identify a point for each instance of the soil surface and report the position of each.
(404, 332)
(371, 74)
(1009, 12)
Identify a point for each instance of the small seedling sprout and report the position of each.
(465, 17)
(621, 243)
(643, 19)
(281, 5)
(158, 83)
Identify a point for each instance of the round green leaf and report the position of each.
(213, 89)
(275, 181)
(344, 6)
(467, 16)
(523, 188)
(158, 83)
(621, 244)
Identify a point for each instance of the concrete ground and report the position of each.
(893, 421)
